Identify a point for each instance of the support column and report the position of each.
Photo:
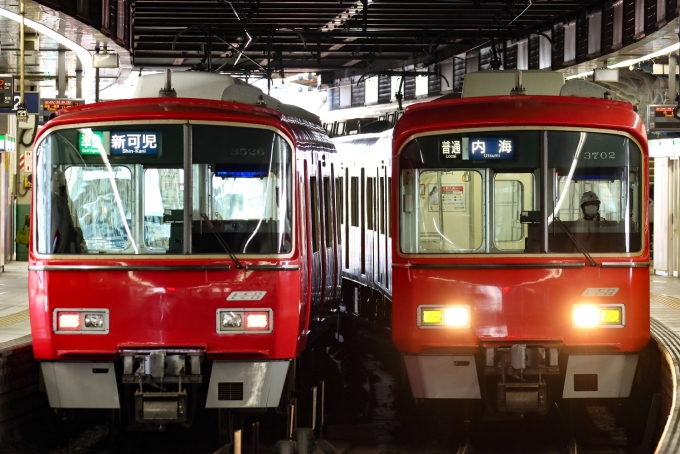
(61, 73)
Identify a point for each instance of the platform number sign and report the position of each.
(6, 91)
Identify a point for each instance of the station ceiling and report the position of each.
(339, 38)
(331, 35)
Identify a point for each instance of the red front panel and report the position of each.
(511, 306)
(164, 309)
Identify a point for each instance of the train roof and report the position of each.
(519, 110)
(158, 109)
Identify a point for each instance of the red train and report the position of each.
(183, 251)
(510, 259)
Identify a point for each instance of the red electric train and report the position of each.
(503, 240)
(183, 251)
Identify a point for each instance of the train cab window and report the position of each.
(480, 192)
(120, 189)
(449, 209)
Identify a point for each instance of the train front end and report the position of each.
(507, 287)
(164, 273)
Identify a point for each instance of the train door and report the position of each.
(305, 254)
(322, 232)
(332, 233)
(308, 239)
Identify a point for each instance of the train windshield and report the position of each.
(164, 189)
(485, 192)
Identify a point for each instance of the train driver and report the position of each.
(590, 206)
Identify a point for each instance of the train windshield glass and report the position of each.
(481, 193)
(123, 190)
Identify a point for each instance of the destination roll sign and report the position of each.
(480, 148)
(487, 148)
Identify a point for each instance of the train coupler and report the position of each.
(160, 407)
(522, 397)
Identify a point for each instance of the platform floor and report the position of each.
(14, 321)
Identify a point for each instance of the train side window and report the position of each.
(363, 222)
(327, 209)
(314, 193)
(354, 204)
(389, 207)
(513, 193)
(381, 207)
(339, 203)
(370, 203)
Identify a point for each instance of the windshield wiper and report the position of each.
(573, 239)
(220, 240)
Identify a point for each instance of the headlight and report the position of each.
(598, 316)
(80, 321)
(241, 320)
(456, 316)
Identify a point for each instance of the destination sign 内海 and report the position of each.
(134, 142)
(488, 148)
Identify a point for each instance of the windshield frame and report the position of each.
(542, 185)
(187, 168)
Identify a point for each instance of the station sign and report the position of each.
(6, 91)
(31, 101)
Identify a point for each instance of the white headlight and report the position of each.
(585, 316)
(457, 316)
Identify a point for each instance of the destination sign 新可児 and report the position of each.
(486, 148)
(134, 142)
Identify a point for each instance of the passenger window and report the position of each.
(327, 209)
(354, 209)
(370, 203)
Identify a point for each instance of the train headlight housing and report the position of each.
(80, 321)
(242, 320)
(598, 316)
(454, 316)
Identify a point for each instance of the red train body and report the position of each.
(502, 287)
(132, 294)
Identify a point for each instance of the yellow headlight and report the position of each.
(610, 316)
(432, 317)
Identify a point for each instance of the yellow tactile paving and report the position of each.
(669, 301)
(14, 318)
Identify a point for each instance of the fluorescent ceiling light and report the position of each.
(576, 76)
(83, 54)
(658, 53)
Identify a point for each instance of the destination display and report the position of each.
(134, 142)
(491, 148)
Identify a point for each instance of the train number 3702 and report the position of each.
(599, 155)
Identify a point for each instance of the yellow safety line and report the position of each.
(669, 301)
(14, 318)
